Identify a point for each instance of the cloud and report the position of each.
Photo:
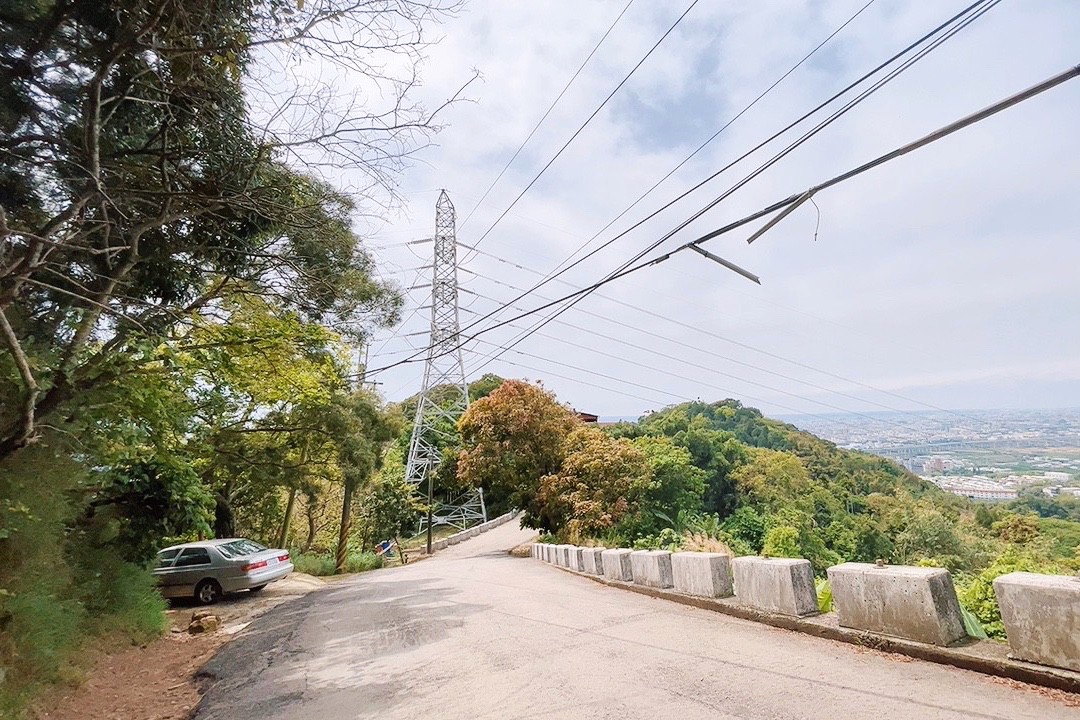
(949, 274)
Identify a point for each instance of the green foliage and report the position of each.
(323, 564)
(976, 593)
(972, 626)
(147, 500)
(63, 579)
(600, 486)
(666, 539)
(782, 541)
(1064, 539)
(1018, 529)
(824, 595)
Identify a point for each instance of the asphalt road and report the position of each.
(475, 633)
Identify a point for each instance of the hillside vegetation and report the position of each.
(721, 475)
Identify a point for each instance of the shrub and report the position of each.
(977, 593)
(324, 564)
(363, 561)
(824, 595)
(782, 541)
(313, 564)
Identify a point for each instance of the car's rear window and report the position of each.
(166, 556)
(240, 548)
(193, 556)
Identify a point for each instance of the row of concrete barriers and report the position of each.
(1041, 613)
(470, 533)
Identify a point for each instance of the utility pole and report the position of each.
(444, 395)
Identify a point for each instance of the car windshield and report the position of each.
(240, 548)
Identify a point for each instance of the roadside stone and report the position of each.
(205, 624)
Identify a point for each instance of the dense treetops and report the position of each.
(723, 472)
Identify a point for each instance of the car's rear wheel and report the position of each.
(257, 588)
(208, 592)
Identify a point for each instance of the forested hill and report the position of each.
(769, 481)
(851, 471)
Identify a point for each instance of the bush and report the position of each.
(324, 564)
(977, 595)
(782, 541)
(63, 580)
(313, 564)
(363, 561)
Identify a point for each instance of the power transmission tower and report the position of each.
(444, 396)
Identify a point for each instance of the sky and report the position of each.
(944, 279)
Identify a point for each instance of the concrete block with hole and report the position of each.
(915, 603)
(616, 563)
(651, 568)
(592, 560)
(779, 585)
(1041, 614)
(702, 574)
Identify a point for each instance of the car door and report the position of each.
(191, 566)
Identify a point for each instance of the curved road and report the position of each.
(475, 633)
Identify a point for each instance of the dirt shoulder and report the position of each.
(157, 681)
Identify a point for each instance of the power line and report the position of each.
(545, 115)
(922, 142)
(776, 158)
(742, 157)
(710, 353)
(698, 381)
(587, 121)
(806, 115)
(708, 142)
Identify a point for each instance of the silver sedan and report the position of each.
(209, 569)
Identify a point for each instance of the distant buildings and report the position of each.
(976, 487)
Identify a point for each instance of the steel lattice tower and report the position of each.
(444, 395)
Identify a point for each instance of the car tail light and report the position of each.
(283, 558)
(253, 566)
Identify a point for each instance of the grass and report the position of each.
(323, 564)
(437, 533)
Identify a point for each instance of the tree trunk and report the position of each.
(283, 536)
(343, 531)
(311, 530)
(224, 518)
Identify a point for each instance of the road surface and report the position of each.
(475, 633)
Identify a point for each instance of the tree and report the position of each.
(1018, 529)
(144, 171)
(601, 483)
(362, 429)
(511, 439)
(675, 485)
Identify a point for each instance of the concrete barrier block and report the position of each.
(915, 603)
(549, 553)
(651, 568)
(616, 563)
(780, 585)
(702, 574)
(564, 556)
(575, 559)
(1042, 617)
(591, 560)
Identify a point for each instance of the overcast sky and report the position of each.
(947, 278)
